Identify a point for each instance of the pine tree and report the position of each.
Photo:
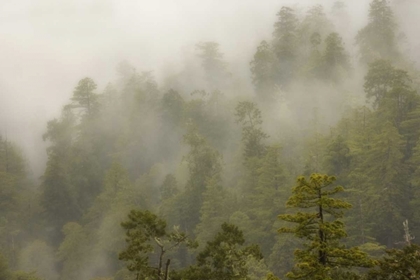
(320, 226)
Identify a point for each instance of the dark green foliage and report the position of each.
(145, 234)
(204, 164)
(223, 258)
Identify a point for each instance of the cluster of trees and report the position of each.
(197, 173)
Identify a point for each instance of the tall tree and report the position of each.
(204, 165)
(320, 226)
(335, 59)
(377, 40)
(263, 73)
(213, 65)
(224, 257)
(146, 233)
(285, 45)
(84, 96)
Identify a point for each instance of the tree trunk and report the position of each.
(167, 269)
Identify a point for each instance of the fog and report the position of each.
(200, 146)
(48, 45)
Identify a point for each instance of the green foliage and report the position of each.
(263, 75)
(249, 116)
(335, 59)
(285, 44)
(398, 264)
(224, 257)
(145, 234)
(319, 225)
(84, 96)
(378, 40)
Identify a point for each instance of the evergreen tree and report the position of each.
(223, 258)
(398, 264)
(321, 228)
(335, 59)
(213, 65)
(285, 45)
(84, 97)
(377, 40)
(204, 164)
(146, 233)
(263, 75)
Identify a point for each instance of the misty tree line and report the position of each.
(193, 179)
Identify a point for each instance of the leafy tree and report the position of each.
(145, 234)
(321, 228)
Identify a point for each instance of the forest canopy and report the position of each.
(308, 169)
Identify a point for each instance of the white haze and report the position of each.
(47, 46)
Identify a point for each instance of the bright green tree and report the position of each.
(318, 223)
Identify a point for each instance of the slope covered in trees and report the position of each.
(192, 178)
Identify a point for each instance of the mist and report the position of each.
(47, 46)
(163, 111)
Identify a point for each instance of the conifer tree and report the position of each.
(318, 223)
(285, 45)
(335, 59)
(146, 234)
(84, 96)
(377, 40)
(263, 75)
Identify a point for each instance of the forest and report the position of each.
(313, 173)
